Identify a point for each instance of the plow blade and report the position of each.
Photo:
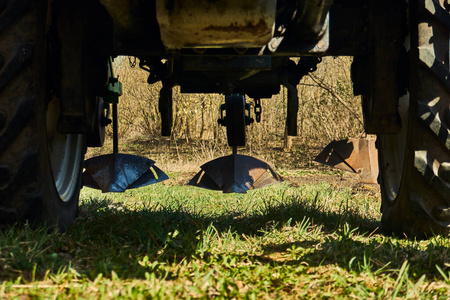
(353, 155)
(119, 172)
(235, 174)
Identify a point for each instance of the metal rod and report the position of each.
(234, 150)
(292, 108)
(115, 129)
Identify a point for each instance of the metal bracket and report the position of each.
(248, 119)
(113, 90)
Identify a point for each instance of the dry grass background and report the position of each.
(327, 111)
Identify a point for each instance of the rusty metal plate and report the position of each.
(225, 23)
(353, 155)
(119, 172)
(235, 174)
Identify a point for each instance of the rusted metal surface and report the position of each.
(235, 174)
(353, 155)
(205, 23)
(118, 172)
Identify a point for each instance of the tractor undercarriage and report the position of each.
(238, 49)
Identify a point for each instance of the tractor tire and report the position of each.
(415, 163)
(40, 169)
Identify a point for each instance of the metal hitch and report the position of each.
(236, 118)
(354, 155)
(235, 174)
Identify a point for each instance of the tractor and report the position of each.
(58, 92)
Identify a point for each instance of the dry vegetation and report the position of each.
(328, 111)
(286, 241)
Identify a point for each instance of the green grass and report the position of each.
(168, 242)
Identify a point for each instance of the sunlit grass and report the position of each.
(162, 241)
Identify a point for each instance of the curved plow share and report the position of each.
(352, 155)
(235, 174)
(118, 172)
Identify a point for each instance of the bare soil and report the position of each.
(185, 158)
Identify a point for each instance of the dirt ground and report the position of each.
(345, 179)
(297, 166)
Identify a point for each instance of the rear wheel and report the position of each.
(415, 163)
(40, 169)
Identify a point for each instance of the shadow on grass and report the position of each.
(103, 218)
(108, 237)
(173, 235)
(351, 241)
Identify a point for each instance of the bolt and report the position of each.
(2, 120)
(274, 44)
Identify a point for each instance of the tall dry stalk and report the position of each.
(327, 109)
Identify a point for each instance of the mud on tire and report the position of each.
(415, 163)
(39, 168)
